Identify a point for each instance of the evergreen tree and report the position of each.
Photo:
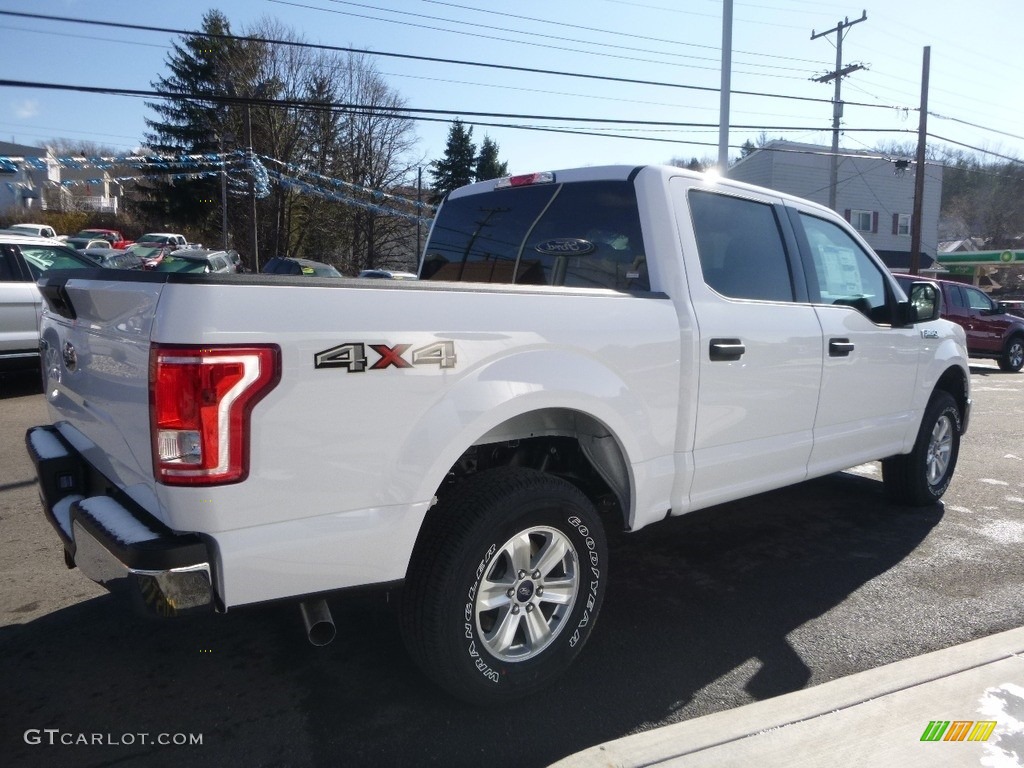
(456, 168)
(199, 66)
(487, 165)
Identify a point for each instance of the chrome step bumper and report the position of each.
(112, 540)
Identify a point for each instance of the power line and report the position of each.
(377, 109)
(561, 38)
(975, 125)
(612, 32)
(1016, 160)
(415, 57)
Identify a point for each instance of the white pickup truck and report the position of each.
(585, 348)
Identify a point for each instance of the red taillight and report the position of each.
(200, 399)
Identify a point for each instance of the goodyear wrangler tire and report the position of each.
(920, 477)
(504, 585)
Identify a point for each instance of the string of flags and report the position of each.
(207, 165)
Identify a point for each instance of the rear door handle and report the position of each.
(839, 347)
(726, 349)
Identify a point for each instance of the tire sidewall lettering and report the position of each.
(587, 557)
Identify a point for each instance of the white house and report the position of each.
(25, 172)
(874, 194)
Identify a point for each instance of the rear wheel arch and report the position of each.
(566, 443)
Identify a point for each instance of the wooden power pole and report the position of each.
(922, 140)
(837, 103)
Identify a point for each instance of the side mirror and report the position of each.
(924, 303)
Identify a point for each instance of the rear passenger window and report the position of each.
(583, 235)
(741, 250)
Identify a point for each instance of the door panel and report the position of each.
(760, 351)
(866, 404)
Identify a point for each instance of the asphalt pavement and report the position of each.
(815, 625)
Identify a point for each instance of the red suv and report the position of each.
(991, 331)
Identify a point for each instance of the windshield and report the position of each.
(40, 258)
(178, 264)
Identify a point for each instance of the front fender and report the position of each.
(945, 367)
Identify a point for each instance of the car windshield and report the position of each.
(41, 258)
(178, 264)
(26, 229)
(320, 270)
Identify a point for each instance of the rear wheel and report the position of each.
(920, 477)
(1012, 359)
(505, 584)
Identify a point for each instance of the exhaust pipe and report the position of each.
(319, 624)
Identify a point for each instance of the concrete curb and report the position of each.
(876, 717)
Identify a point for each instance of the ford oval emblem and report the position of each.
(70, 356)
(566, 246)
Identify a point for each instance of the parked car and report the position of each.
(80, 244)
(991, 331)
(237, 261)
(23, 258)
(150, 254)
(115, 258)
(195, 260)
(113, 238)
(387, 274)
(287, 265)
(165, 239)
(36, 230)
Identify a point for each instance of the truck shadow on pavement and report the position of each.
(18, 383)
(698, 618)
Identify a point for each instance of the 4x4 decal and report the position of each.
(352, 356)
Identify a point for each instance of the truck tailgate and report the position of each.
(94, 338)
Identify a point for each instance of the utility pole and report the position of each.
(837, 103)
(419, 213)
(922, 138)
(726, 90)
(252, 184)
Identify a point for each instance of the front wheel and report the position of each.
(920, 477)
(1012, 359)
(505, 584)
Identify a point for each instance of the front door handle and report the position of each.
(839, 347)
(726, 349)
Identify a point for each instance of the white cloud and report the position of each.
(27, 108)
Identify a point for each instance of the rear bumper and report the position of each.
(112, 540)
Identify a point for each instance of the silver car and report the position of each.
(23, 259)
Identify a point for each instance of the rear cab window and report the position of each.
(582, 234)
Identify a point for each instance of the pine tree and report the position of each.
(487, 165)
(198, 66)
(456, 168)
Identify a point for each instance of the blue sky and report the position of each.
(976, 84)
